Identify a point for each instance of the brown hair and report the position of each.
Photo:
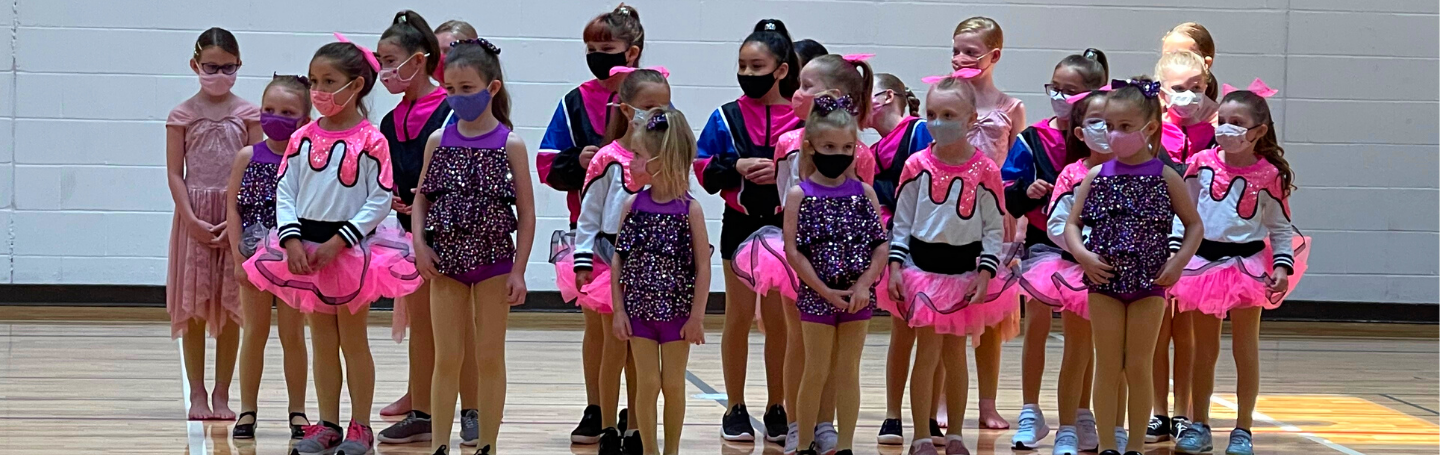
(297, 84)
(836, 120)
(673, 148)
(619, 125)
(853, 79)
(989, 30)
(887, 81)
(1149, 108)
(621, 24)
(217, 37)
(1075, 148)
(412, 33)
(458, 27)
(484, 58)
(1091, 64)
(1268, 146)
(1205, 44)
(349, 59)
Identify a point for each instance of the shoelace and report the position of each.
(360, 433)
(1027, 425)
(314, 430)
(1155, 424)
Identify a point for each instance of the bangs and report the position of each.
(598, 31)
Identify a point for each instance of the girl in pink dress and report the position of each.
(202, 136)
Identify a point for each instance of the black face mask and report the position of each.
(832, 166)
(756, 86)
(601, 63)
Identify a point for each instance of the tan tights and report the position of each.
(1124, 337)
(1179, 328)
(422, 355)
(1077, 371)
(832, 360)
(256, 307)
(1245, 346)
(659, 368)
(334, 334)
(927, 383)
(897, 369)
(615, 357)
(483, 308)
(735, 340)
(1032, 361)
(795, 368)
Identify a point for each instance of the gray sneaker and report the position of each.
(319, 439)
(1194, 439)
(1240, 443)
(469, 427)
(359, 440)
(792, 438)
(413, 429)
(826, 438)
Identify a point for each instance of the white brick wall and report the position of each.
(83, 197)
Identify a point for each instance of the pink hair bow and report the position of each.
(1072, 99)
(627, 69)
(857, 58)
(1258, 87)
(369, 56)
(962, 73)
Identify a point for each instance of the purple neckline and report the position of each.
(1114, 167)
(645, 202)
(261, 153)
(494, 138)
(849, 187)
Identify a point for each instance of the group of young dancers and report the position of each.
(1143, 209)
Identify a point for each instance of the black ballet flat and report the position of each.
(245, 430)
(297, 431)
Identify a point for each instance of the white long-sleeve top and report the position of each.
(1240, 204)
(1062, 201)
(953, 205)
(608, 183)
(334, 177)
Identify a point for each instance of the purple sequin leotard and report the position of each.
(256, 201)
(1129, 214)
(472, 205)
(837, 229)
(655, 242)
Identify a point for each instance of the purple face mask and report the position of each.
(278, 127)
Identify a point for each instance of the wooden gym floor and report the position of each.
(95, 380)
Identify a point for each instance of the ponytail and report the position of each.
(774, 36)
(667, 138)
(887, 81)
(412, 33)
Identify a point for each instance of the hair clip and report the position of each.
(623, 9)
(402, 18)
(303, 80)
(769, 26)
(1150, 89)
(658, 122)
(856, 59)
(482, 42)
(825, 104)
(1257, 87)
(369, 56)
(630, 69)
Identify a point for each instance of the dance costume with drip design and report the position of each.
(199, 283)
(1248, 234)
(608, 183)
(658, 280)
(1128, 211)
(837, 229)
(472, 205)
(947, 226)
(1050, 274)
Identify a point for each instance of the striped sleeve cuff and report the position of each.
(899, 253)
(1286, 261)
(350, 234)
(989, 262)
(584, 262)
(1175, 243)
(289, 231)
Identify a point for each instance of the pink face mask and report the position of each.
(325, 101)
(800, 102)
(216, 84)
(394, 82)
(1127, 144)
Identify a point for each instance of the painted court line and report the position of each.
(1291, 429)
(195, 431)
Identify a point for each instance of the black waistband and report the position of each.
(944, 258)
(320, 231)
(1212, 250)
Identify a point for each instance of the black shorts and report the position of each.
(735, 227)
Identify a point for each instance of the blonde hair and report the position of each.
(1197, 33)
(673, 147)
(989, 30)
(962, 89)
(838, 119)
(1182, 59)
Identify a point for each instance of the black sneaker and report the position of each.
(611, 442)
(443, 450)
(845, 452)
(1178, 424)
(892, 433)
(1110, 452)
(775, 425)
(415, 428)
(735, 426)
(936, 434)
(624, 421)
(812, 450)
(588, 432)
(1158, 430)
(633, 444)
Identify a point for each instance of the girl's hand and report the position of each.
(399, 205)
(326, 253)
(240, 275)
(201, 231)
(622, 326)
(582, 279)
(1281, 280)
(897, 284)
(860, 296)
(979, 288)
(296, 258)
(694, 330)
(515, 286)
(837, 298)
(757, 170)
(222, 238)
(1171, 273)
(425, 262)
(586, 154)
(1039, 189)
(1095, 268)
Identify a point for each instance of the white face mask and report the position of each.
(1059, 104)
(1231, 137)
(1096, 135)
(1187, 103)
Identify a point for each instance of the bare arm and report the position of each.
(232, 195)
(524, 201)
(421, 207)
(175, 173)
(1183, 203)
(253, 132)
(1017, 117)
(880, 256)
(617, 297)
(700, 242)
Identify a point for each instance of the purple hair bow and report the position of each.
(825, 104)
(658, 122)
(489, 46)
(1150, 89)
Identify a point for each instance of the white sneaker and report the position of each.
(826, 438)
(1089, 435)
(792, 438)
(1032, 428)
(1122, 438)
(1066, 441)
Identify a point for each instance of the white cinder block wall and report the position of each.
(83, 198)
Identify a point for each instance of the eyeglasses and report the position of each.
(211, 68)
(1053, 92)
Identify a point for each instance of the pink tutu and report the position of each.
(382, 265)
(939, 301)
(760, 263)
(1216, 287)
(596, 295)
(1050, 279)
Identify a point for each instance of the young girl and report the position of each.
(474, 194)
(610, 181)
(285, 107)
(807, 49)
(1029, 172)
(895, 114)
(1135, 198)
(329, 249)
(945, 251)
(834, 239)
(736, 151)
(575, 135)
(202, 135)
(1235, 271)
(447, 34)
(1193, 37)
(977, 47)
(664, 274)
